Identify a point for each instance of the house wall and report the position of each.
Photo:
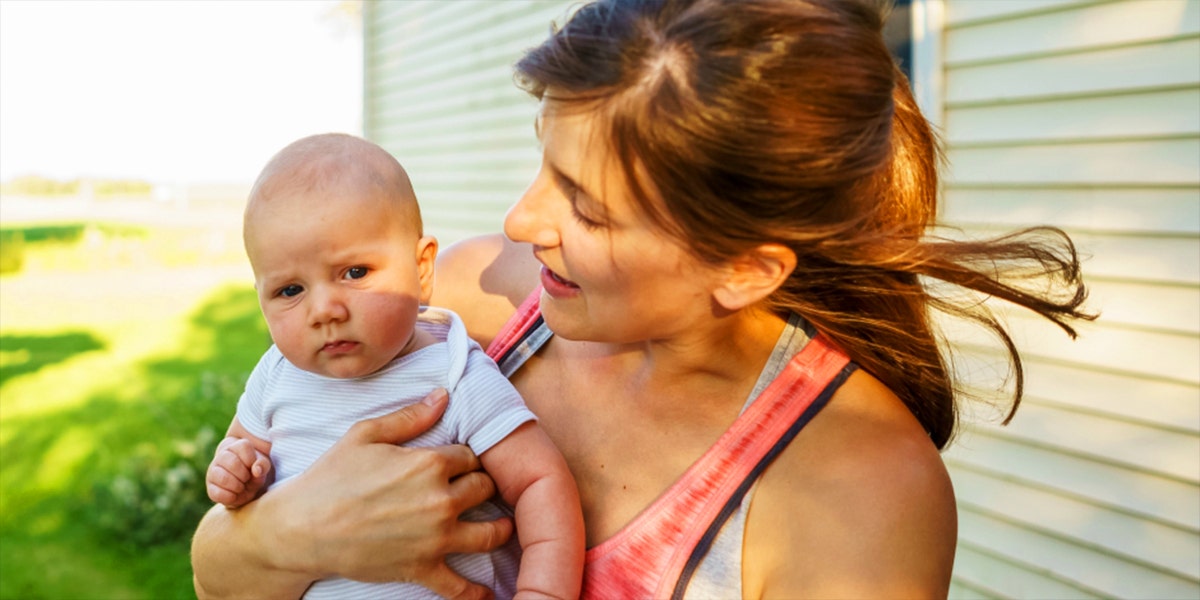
(439, 95)
(1084, 115)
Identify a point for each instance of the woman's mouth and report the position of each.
(556, 285)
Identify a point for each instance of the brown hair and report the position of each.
(742, 122)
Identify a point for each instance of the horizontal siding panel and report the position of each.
(1170, 405)
(1168, 547)
(961, 589)
(1158, 403)
(1161, 307)
(1171, 64)
(1165, 161)
(1145, 495)
(512, 123)
(972, 11)
(1129, 209)
(497, 137)
(1166, 356)
(1166, 259)
(1002, 577)
(467, 97)
(1162, 113)
(1086, 26)
(1138, 447)
(1094, 569)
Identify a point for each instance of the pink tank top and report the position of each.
(655, 554)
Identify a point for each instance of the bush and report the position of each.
(157, 498)
(12, 250)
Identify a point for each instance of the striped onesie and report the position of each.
(302, 414)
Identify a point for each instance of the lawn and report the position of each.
(123, 350)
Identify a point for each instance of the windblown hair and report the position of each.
(743, 122)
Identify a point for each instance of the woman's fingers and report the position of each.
(448, 584)
(404, 424)
(480, 536)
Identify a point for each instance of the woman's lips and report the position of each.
(556, 285)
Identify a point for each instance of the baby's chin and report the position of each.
(345, 367)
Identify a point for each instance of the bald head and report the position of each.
(333, 167)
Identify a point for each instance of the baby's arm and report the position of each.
(240, 468)
(533, 477)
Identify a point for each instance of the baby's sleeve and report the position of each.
(484, 407)
(251, 409)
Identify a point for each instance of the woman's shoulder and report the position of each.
(859, 505)
(484, 280)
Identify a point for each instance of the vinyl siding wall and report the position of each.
(1084, 115)
(439, 95)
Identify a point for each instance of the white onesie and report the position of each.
(302, 414)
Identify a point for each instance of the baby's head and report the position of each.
(333, 233)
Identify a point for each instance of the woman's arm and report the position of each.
(858, 506)
(330, 520)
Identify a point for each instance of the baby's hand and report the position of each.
(238, 473)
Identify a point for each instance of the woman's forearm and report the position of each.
(367, 510)
(233, 556)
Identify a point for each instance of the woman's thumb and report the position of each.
(405, 424)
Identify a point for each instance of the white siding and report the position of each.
(1084, 115)
(440, 97)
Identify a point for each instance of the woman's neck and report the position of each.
(705, 363)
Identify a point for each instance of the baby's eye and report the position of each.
(356, 272)
(291, 290)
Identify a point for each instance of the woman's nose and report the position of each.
(531, 219)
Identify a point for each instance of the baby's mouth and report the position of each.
(339, 347)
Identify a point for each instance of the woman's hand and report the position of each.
(367, 510)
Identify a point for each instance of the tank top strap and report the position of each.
(655, 555)
(521, 337)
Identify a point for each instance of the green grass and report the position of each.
(114, 385)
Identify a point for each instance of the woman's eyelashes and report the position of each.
(571, 192)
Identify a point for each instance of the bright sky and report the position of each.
(171, 91)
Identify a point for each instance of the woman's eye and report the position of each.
(291, 290)
(356, 272)
(583, 220)
(570, 191)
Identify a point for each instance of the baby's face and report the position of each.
(339, 279)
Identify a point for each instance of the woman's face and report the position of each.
(609, 273)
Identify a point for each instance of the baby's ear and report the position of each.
(755, 275)
(427, 248)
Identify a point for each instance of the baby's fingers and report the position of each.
(223, 487)
(261, 466)
(233, 464)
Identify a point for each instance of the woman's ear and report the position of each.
(427, 248)
(755, 275)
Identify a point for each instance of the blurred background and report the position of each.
(130, 132)
(129, 135)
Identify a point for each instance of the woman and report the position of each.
(718, 276)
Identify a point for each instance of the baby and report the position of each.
(333, 232)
